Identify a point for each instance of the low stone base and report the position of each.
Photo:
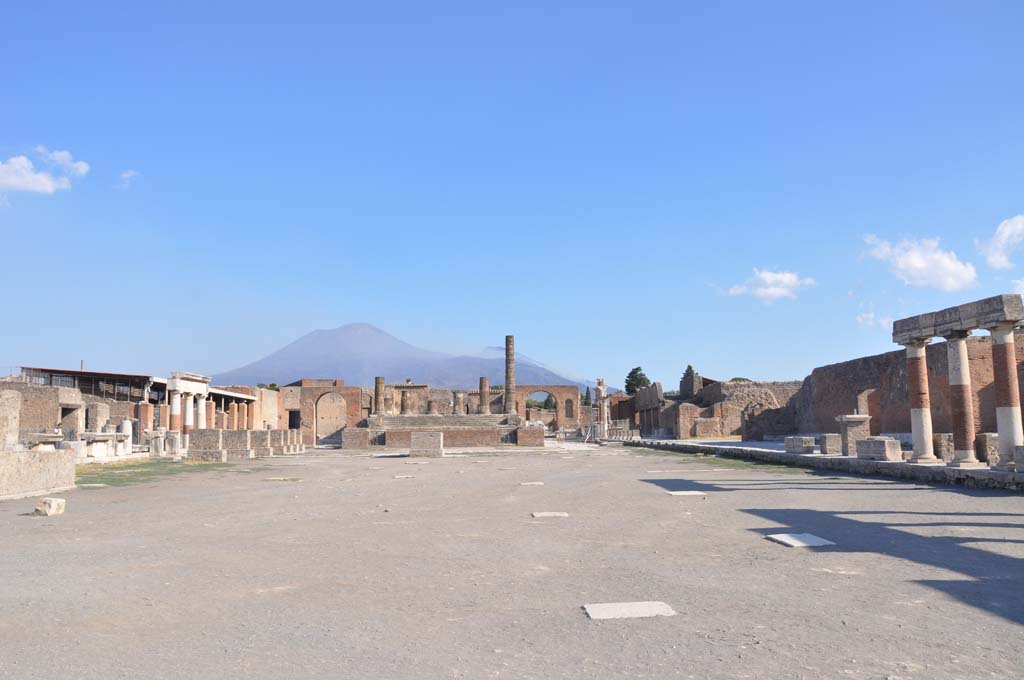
(239, 454)
(207, 455)
(879, 448)
(799, 444)
(36, 472)
(831, 444)
(426, 444)
(935, 474)
(263, 452)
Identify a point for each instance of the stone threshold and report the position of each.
(977, 478)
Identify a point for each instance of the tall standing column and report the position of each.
(405, 402)
(1004, 378)
(378, 395)
(458, 403)
(200, 413)
(510, 374)
(961, 402)
(243, 416)
(175, 420)
(233, 415)
(189, 414)
(485, 396)
(920, 402)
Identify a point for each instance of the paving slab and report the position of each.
(799, 540)
(549, 514)
(686, 493)
(531, 483)
(627, 610)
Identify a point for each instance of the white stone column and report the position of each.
(1004, 379)
(201, 414)
(175, 419)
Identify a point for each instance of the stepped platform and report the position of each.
(427, 422)
(395, 432)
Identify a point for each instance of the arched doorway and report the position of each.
(330, 419)
(542, 406)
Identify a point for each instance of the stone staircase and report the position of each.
(422, 422)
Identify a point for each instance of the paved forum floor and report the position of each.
(336, 569)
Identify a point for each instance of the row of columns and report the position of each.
(459, 397)
(188, 412)
(1007, 398)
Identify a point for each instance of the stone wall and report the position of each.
(834, 390)
(41, 408)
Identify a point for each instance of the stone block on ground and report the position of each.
(259, 441)
(426, 444)
(799, 444)
(879, 448)
(986, 448)
(530, 436)
(831, 444)
(942, 444)
(51, 506)
(355, 438)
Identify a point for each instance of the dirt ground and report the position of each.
(326, 566)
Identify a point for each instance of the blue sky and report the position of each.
(753, 188)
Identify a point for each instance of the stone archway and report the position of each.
(331, 417)
(567, 402)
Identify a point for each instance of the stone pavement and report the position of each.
(335, 569)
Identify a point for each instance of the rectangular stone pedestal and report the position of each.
(426, 444)
(852, 429)
(879, 448)
(831, 444)
(799, 444)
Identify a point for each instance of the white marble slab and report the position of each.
(627, 610)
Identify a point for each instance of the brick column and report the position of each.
(510, 374)
(243, 416)
(378, 395)
(233, 416)
(188, 401)
(174, 422)
(405, 402)
(144, 412)
(961, 402)
(1004, 379)
(459, 403)
(920, 402)
(485, 396)
(211, 414)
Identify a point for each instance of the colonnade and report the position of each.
(999, 316)
(189, 412)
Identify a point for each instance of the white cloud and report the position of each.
(126, 179)
(1008, 236)
(871, 320)
(769, 286)
(923, 263)
(19, 174)
(1018, 286)
(64, 161)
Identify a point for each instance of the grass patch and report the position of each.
(137, 472)
(706, 459)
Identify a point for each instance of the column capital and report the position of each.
(956, 335)
(1001, 326)
(916, 343)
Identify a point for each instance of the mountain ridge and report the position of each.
(358, 351)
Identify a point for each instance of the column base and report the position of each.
(968, 465)
(925, 460)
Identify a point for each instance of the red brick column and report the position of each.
(920, 402)
(233, 416)
(175, 417)
(961, 402)
(1004, 378)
